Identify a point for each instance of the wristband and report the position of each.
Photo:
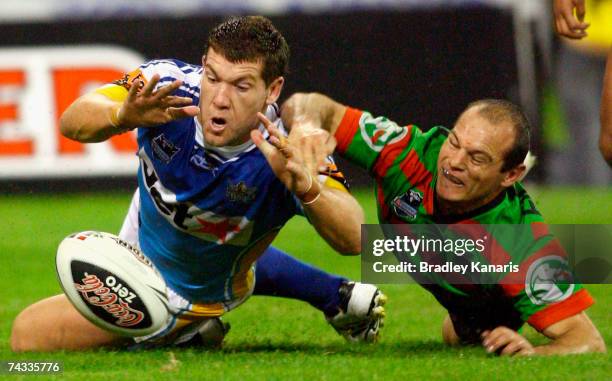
(114, 119)
(114, 116)
(307, 198)
(313, 200)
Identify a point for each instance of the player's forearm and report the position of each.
(573, 344)
(337, 217)
(89, 119)
(573, 335)
(605, 134)
(318, 109)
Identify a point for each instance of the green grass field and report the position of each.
(272, 338)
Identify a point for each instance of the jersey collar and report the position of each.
(228, 152)
(454, 218)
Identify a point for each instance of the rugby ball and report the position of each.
(112, 283)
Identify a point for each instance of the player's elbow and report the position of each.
(347, 242)
(350, 249)
(582, 337)
(68, 126)
(352, 243)
(597, 344)
(591, 343)
(605, 147)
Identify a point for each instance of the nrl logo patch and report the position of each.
(164, 149)
(549, 280)
(407, 205)
(240, 192)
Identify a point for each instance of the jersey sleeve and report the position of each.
(547, 292)
(168, 71)
(372, 143)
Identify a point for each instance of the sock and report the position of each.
(278, 274)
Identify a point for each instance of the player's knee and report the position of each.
(448, 332)
(605, 147)
(21, 333)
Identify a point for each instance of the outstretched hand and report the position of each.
(314, 143)
(146, 106)
(566, 23)
(294, 169)
(506, 342)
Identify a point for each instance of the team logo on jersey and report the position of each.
(131, 77)
(549, 280)
(164, 149)
(240, 192)
(187, 217)
(407, 205)
(378, 132)
(200, 161)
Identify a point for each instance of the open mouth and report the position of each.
(218, 124)
(453, 179)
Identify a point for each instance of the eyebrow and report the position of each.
(247, 76)
(470, 152)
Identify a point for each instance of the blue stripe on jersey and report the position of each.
(185, 89)
(184, 67)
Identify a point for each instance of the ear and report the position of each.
(204, 60)
(513, 175)
(274, 90)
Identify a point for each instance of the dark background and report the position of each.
(419, 67)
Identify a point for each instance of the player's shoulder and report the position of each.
(513, 206)
(171, 69)
(431, 140)
(523, 205)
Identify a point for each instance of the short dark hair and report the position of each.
(500, 110)
(249, 39)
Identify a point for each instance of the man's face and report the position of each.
(470, 162)
(231, 95)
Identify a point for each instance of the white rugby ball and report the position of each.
(112, 283)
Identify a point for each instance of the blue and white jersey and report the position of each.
(206, 214)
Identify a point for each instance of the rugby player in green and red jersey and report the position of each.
(468, 175)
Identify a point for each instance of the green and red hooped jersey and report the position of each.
(403, 161)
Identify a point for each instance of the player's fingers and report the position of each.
(573, 24)
(266, 148)
(270, 126)
(580, 10)
(526, 351)
(134, 90)
(499, 342)
(148, 89)
(263, 119)
(511, 348)
(301, 180)
(320, 153)
(330, 145)
(168, 89)
(494, 339)
(182, 112)
(564, 30)
(281, 144)
(287, 150)
(310, 157)
(172, 101)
